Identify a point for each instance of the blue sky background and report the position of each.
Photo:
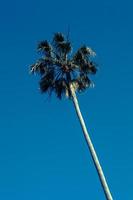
(43, 154)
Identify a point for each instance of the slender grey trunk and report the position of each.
(91, 147)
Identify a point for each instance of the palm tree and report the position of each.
(66, 74)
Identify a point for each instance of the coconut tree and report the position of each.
(67, 74)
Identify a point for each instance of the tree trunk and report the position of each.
(91, 147)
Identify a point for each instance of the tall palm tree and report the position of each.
(66, 74)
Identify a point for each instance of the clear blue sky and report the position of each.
(43, 154)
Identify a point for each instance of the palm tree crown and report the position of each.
(58, 69)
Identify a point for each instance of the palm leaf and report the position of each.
(58, 37)
(61, 45)
(92, 68)
(45, 47)
(38, 67)
(87, 51)
(78, 58)
(61, 88)
(47, 81)
(88, 68)
(83, 82)
(64, 47)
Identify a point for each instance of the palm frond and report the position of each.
(87, 51)
(58, 37)
(47, 81)
(64, 47)
(45, 47)
(45, 85)
(83, 82)
(81, 56)
(61, 44)
(92, 68)
(88, 68)
(78, 58)
(38, 67)
(61, 88)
